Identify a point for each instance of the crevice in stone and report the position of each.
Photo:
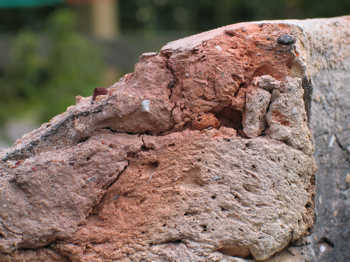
(144, 147)
(175, 241)
(110, 129)
(235, 251)
(307, 86)
(230, 118)
(174, 81)
(83, 139)
(241, 85)
(327, 241)
(106, 187)
(263, 133)
(9, 230)
(343, 148)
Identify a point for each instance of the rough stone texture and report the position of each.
(331, 129)
(256, 105)
(202, 154)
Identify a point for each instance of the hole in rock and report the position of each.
(235, 250)
(83, 139)
(154, 164)
(109, 129)
(145, 148)
(230, 117)
(223, 209)
(204, 228)
(175, 241)
(131, 154)
(327, 241)
(308, 205)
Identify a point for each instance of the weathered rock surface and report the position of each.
(204, 153)
(330, 122)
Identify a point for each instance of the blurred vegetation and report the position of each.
(200, 15)
(44, 82)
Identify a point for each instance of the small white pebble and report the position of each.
(331, 141)
(145, 106)
(218, 48)
(322, 248)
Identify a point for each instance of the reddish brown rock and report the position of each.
(202, 154)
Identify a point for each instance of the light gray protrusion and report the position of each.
(145, 106)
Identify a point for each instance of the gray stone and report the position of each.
(256, 105)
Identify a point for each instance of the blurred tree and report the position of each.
(75, 66)
(202, 15)
(22, 76)
(47, 84)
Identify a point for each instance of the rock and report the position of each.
(329, 78)
(256, 105)
(287, 118)
(204, 153)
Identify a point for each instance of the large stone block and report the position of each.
(204, 153)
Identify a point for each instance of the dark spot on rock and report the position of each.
(99, 91)
(286, 40)
(145, 148)
(83, 139)
(230, 32)
(204, 228)
(230, 117)
(327, 241)
(308, 205)
(223, 209)
(131, 154)
(171, 84)
(154, 164)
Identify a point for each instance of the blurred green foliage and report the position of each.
(200, 15)
(44, 82)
